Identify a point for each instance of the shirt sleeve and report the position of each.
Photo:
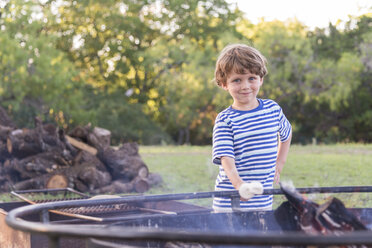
(222, 141)
(285, 127)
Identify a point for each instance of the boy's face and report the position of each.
(244, 89)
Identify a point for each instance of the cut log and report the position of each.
(57, 181)
(4, 131)
(9, 172)
(99, 138)
(80, 186)
(4, 154)
(23, 143)
(88, 158)
(81, 133)
(44, 157)
(131, 148)
(51, 138)
(93, 178)
(122, 165)
(40, 182)
(5, 184)
(143, 172)
(117, 186)
(154, 179)
(80, 145)
(140, 185)
(70, 148)
(39, 164)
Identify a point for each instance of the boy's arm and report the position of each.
(283, 150)
(228, 164)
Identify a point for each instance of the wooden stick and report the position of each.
(79, 216)
(81, 145)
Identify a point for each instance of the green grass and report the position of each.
(189, 169)
(183, 169)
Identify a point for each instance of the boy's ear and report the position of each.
(262, 79)
(224, 86)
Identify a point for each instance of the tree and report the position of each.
(36, 78)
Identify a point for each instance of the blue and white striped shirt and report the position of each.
(251, 138)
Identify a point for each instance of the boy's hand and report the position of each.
(248, 190)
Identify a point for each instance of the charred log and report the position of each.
(303, 214)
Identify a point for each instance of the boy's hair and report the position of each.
(239, 58)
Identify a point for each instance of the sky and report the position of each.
(312, 13)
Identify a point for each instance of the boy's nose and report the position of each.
(245, 84)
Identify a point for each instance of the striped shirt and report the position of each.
(251, 138)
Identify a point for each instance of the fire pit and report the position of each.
(166, 228)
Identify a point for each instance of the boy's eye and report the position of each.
(237, 80)
(252, 78)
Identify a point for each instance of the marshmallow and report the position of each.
(248, 190)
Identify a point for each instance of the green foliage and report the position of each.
(37, 78)
(127, 122)
(185, 93)
(139, 65)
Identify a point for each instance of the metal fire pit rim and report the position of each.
(127, 233)
(199, 195)
(153, 234)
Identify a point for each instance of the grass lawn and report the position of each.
(189, 169)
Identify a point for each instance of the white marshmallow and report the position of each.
(248, 190)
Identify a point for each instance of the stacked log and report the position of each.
(83, 159)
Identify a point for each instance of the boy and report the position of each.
(251, 138)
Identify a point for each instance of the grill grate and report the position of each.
(86, 212)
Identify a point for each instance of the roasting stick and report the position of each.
(79, 216)
(198, 195)
(157, 211)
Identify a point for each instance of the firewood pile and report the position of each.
(83, 159)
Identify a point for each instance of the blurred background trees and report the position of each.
(144, 68)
